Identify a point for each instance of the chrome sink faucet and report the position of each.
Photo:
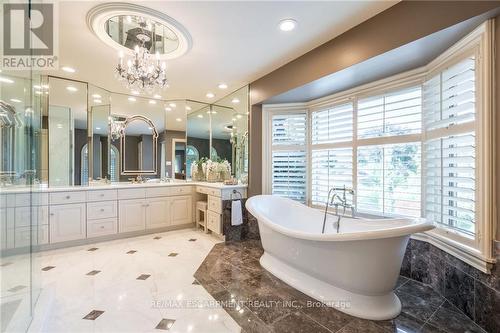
(341, 201)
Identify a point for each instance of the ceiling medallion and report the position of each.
(139, 33)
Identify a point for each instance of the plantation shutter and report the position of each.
(332, 125)
(330, 167)
(395, 113)
(289, 158)
(389, 179)
(450, 155)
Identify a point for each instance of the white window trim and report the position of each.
(478, 253)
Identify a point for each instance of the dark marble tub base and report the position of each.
(260, 302)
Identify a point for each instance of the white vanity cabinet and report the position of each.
(181, 210)
(24, 220)
(215, 197)
(158, 213)
(132, 215)
(67, 222)
(65, 217)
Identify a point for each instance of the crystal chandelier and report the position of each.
(142, 72)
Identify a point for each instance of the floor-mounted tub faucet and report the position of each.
(342, 201)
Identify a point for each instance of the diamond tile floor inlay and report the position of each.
(129, 305)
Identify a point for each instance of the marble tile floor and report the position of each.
(129, 285)
(259, 302)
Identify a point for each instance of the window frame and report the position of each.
(479, 252)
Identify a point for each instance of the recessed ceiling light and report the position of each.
(150, 128)
(97, 128)
(38, 92)
(200, 116)
(210, 95)
(287, 25)
(68, 69)
(222, 86)
(234, 119)
(235, 101)
(15, 100)
(239, 116)
(5, 80)
(178, 119)
(172, 105)
(71, 88)
(135, 92)
(132, 99)
(96, 96)
(36, 86)
(168, 109)
(152, 101)
(188, 108)
(157, 96)
(98, 101)
(59, 126)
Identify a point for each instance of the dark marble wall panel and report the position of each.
(248, 230)
(471, 291)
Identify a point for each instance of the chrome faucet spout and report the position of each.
(341, 201)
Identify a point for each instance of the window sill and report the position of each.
(462, 252)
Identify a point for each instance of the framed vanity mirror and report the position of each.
(138, 146)
(137, 128)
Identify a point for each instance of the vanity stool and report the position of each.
(201, 210)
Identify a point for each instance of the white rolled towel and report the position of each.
(236, 213)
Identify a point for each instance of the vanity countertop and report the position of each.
(113, 186)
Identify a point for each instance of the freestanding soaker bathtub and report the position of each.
(355, 270)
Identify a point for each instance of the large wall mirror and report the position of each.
(220, 132)
(102, 160)
(66, 127)
(230, 131)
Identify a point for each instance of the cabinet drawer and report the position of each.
(102, 227)
(33, 199)
(214, 222)
(178, 190)
(214, 204)
(207, 190)
(102, 195)
(61, 198)
(158, 192)
(133, 193)
(101, 210)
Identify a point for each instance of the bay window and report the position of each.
(418, 145)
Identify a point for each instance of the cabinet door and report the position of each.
(157, 213)
(181, 210)
(131, 215)
(67, 222)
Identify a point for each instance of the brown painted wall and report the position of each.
(255, 151)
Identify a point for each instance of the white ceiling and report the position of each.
(233, 42)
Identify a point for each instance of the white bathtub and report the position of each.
(355, 270)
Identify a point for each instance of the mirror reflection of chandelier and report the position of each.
(143, 71)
